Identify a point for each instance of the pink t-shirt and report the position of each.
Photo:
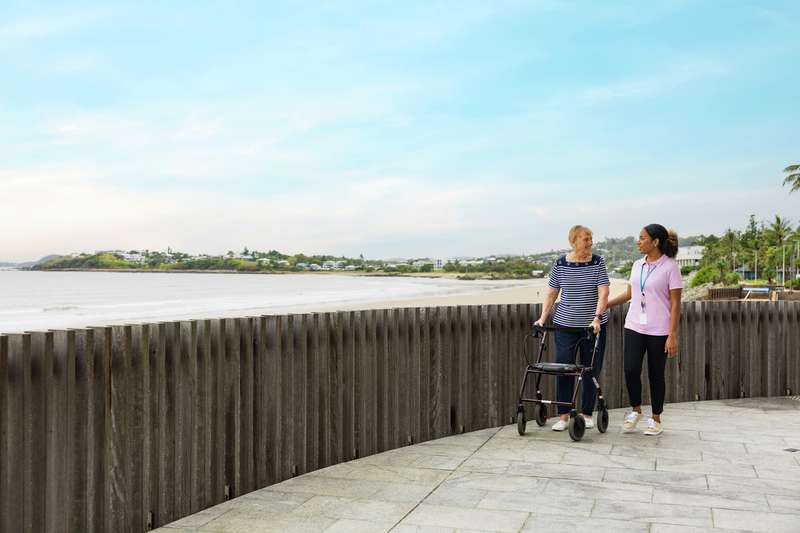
(659, 278)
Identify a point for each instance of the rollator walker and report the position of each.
(576, 426)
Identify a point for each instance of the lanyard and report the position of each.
(643, 278)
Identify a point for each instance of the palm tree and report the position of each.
(793, 178)
(778, 231)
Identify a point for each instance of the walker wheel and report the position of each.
(521, 422)
(576, 427)
(602, 420)
(540, 414)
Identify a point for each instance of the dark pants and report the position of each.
(566, 344)
(636, 344)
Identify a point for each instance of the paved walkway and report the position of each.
(720, 466)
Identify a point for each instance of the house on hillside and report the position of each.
(690, 256)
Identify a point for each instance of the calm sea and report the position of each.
(34, 301)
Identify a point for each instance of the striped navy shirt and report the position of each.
(578, 283)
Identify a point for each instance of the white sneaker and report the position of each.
(629, 425)
(561, 425)
(653, 428)
(589, 422)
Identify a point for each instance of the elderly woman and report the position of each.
(582, 280)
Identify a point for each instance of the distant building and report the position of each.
(438, 264)
(690, 256)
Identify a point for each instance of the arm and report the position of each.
(621, 298)
(547, 306)
(602, 303)
(674, 322)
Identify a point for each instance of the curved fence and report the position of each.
(126, 428)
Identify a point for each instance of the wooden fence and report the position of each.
(125, 428)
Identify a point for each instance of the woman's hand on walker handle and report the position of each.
(595, 325)
(671, 347)
(541, 321)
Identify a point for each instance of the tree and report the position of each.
(793, 178)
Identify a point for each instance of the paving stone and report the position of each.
(655, 452)
(411, 528)
(455, 496)
(459, 517)
(334, 507)
(763, 486)
(583, 458)
(709, 498)
(784, 504)
(347, 525)
(661, 513)
(757, 521)
(496, 480)
(670, 528)
(603, 490)
(472, 480)
(314, 484)
(674, 465)
(541, 503)
(557, 470)
(682, 479)
(787, 472)
(562, 524)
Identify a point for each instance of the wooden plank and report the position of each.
(202, 479)
(219, 409)
(287, 397)
(99, 428)
(393, 383)
(246, 395)
(435, 369)
(168, 353)
(77, 444)
(338, 383)
(233, 407)
(327, 400)
(464, 411)
(57, 434)
(260, 409)
(35, 399)
(141, 456)
(312, 376)
(185, 358)
(446, 379)
(401, 352)
(415, 385)
(381, 389)
(118, 516)
(347, 341)
(5, 432)
(271, 417)
(363, 359)
(300, 373)
(17, 380)
(773, 351)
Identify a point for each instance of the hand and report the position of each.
(671, 347)
(595, 325)
(541, 321)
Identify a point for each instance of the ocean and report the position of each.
(37, 301)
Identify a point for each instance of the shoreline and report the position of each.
(468, 276)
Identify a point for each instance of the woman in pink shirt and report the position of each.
(651, 325)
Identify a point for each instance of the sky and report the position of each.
(390, 129)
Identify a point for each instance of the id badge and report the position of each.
(643, 319)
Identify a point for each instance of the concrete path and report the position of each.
(719, 466)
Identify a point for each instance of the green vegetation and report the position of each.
(793, 178)
(275, 261)
(759, 251)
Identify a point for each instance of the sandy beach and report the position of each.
(529, 291)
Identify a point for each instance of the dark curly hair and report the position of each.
(667, 239)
